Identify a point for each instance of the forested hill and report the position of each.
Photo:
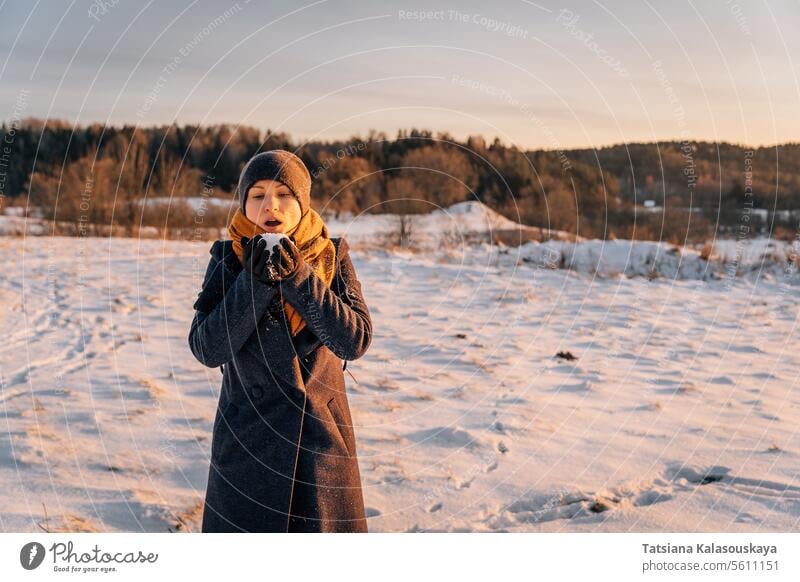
(688, 188)
(653, 169)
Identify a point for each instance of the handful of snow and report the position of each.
(269, 240)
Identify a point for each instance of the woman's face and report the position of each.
(269, 201)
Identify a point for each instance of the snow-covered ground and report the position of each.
(680, 412)
(461, 223)
(755, 258)
(466, 224)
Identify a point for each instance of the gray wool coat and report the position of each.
(283, 452)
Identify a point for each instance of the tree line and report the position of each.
(100, 175)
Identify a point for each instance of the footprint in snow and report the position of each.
(446, 436)
(585, 386)
(725, 380)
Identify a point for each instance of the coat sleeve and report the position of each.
(343, 325)
(223, 321)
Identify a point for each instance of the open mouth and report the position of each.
(273, 223)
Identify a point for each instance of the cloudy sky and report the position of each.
(537, 74)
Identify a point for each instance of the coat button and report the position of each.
(256, 392)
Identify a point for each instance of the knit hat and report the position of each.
(279, 165)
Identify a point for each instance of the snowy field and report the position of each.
(680, 411)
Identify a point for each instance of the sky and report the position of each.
(539, 75)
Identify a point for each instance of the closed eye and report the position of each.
(259, 195)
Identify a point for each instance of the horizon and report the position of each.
(541, 76)
(295, 140)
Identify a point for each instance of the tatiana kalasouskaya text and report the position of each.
(711, 548)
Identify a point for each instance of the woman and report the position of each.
(279, 323)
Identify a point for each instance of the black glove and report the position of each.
(254, 259)
(284, 260)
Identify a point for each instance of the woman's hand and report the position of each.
(255, 258)
(284, 260)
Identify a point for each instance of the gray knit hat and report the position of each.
(279, 165)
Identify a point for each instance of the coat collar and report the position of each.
(229, 258)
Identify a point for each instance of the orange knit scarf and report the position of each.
(311, 238)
